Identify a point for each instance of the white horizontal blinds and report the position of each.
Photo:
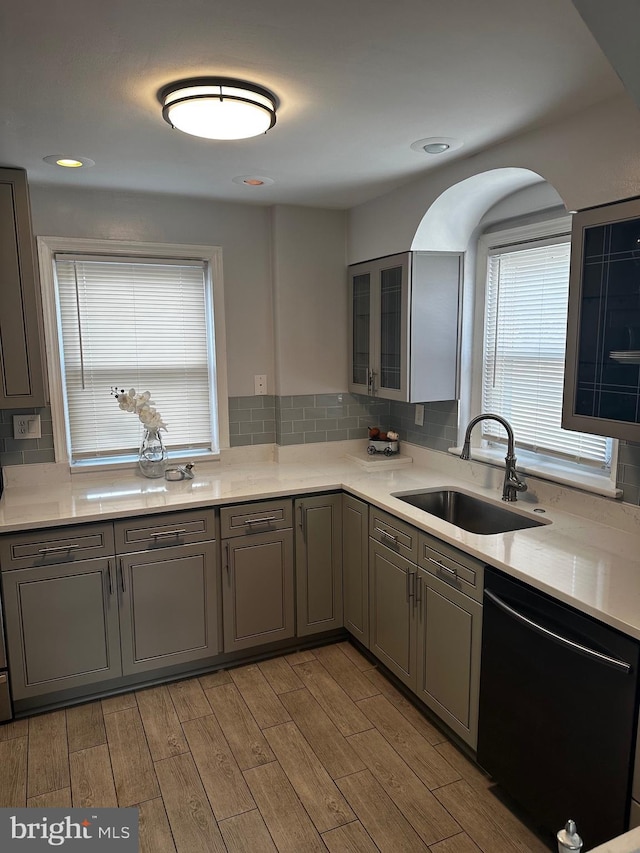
(524, 350)
(133, 324)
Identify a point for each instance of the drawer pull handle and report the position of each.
(443, 567)
(164, 533)
(264, 520)
(386, 535)
(57, 549)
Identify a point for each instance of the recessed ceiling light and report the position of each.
(68, 162)
(253, 180)
(436, 145)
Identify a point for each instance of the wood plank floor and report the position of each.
(310, 751)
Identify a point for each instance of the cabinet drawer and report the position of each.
(55, 545)
(395, 534)
(160, 531)
(256, 517)
(450, 565)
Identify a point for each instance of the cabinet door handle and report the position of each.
(264, 520)
(385, 535)
(167, 533)
(123, 585)
(302, 522)
(226, 551)
(412, 586)
(110, 576)
(418, 591)
(57, 549)
(444, 568)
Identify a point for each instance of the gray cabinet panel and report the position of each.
(165, 530)
(257, 589)
(169, 607)
(21, 374)
(62, 626)
(55, 545)
(258, 517)
(393, 533)
(449, 646)
(392, 611)
(319, 563)
(355, 567)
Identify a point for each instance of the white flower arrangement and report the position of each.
(142, 405)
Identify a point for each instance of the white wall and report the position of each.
(242, 230)
(310, 300)
(590, 158)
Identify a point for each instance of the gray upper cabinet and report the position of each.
(602, 373)
(355, 567)
(21, 372)
(404, 321)
(257, 574)
(62, 626)
(318, 563)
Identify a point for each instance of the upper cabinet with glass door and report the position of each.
(602, 376)
(404, 326)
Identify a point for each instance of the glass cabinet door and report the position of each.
(361, 329)
(391, 328)
(602, 383)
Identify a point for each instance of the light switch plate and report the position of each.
(420, 414)
(27, 426)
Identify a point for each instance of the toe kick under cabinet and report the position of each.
(94, 602)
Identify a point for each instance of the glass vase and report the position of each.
(153, 455)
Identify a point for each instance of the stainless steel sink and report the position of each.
(469, 512)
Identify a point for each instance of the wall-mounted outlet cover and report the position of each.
(27, 426)
(260, 383)
(420, 414)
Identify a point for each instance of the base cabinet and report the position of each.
(62, 626)
(169, 607)
(449, 638)
(257, 574)
(392, 616)
(355, 567)
(318, 543)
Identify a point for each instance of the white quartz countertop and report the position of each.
(591, 565)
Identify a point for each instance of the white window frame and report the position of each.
(529, 462)
(211, 256)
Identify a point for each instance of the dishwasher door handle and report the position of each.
(621, 665)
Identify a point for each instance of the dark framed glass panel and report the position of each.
(361, 328)
(391, 328)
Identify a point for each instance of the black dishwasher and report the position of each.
(558, 710)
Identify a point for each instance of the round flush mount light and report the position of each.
(69, 162)
(218, 107)
(253, 180)
(436, 145)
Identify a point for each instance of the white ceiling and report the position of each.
(358, 83)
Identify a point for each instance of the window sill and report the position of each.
(548, 469)
(118, 463)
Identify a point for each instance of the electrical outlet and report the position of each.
(260, 384)
(27, 426)
(420, 414)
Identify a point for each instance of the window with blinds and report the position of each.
(524, 350)
(135, 323)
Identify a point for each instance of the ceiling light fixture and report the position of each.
(218, 107)
(253, 180)
(68, 162)
(436, 145)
